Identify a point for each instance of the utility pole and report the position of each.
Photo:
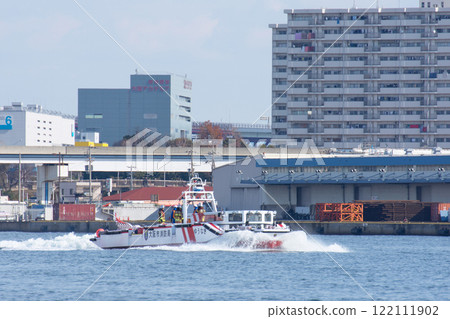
(20, 178)
(59, 177)
(90, 175)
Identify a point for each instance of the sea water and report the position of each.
(67, 266)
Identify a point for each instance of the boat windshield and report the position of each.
(235, 217)
(268, 217)
(254, 217)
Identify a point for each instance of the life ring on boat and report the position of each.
(97, 233)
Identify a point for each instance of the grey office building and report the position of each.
(161, 103)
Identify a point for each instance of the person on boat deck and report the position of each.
(161, 215)
(201, 213)
(177, 215)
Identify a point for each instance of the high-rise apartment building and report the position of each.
(347, 77)
(161, 103)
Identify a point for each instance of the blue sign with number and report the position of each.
(7, 125)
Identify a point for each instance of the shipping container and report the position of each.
(439, 212)
(74, 212)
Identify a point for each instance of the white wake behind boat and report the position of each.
(195, 226)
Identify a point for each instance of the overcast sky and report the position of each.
(49, 49)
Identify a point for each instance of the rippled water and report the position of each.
(61, 266)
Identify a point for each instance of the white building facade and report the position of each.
(346, 78)
(33, 126)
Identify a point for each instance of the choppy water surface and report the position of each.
(61, 266)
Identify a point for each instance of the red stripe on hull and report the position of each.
(190, 231)
(184, 235)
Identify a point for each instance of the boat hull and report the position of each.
(162, 235)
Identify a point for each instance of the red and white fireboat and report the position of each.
(195, 225)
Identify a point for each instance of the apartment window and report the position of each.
(280, 57)
(154, 197)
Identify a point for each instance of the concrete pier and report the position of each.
(312, 227)
(372, 228)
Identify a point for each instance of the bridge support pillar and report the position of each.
(48, 176)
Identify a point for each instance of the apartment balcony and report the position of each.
(297, 104)
(279, 125)
(298, 64)
(443, 103)
(354, 50)
(354, 64)
(299, 91)
(297, 118)
(443, 63)
(332, 118)
(279, 100)
(408, 131)
(297, 77)
(410, 90)
(279, 50)
(391, 64)
(389, 90)
(332, 104)
(389, 103)
(333, 77)
(408, 63)
(334, 50)
(372, 21)
(412, 22)
(297, 131)
(279, 112)
(429, 35)
(428, 47)
(333, 131)
(279, 75)
(302, 23)
(372, 49)
(445, 131)
(354, 91)
(333, 90)
(443, 117)
(393, 23)
(391, 36)
(387, 131)
(391, 50)
(281, 88)
(408, 118)
(443, 36)
(376, 35)
(279, 37)
(315, 90)
(344, 131)
(331, 37)
(388, 118)
(443, 49)
(354, 104)
(389, 77)
(279, 62)
(352, 118)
